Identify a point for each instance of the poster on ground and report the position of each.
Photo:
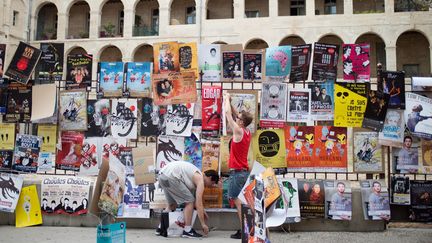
(290, 186)
(134, 204)
(28, 212)
(375, 198)
(338, 205)
(111, 233)
(311, 197)
(11, 185)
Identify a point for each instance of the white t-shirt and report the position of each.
(183, 171)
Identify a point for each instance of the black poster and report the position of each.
(376, 110)
(23, 63)
(50, 66)
(231, 64)
(421, 201)
(311, 197)
(325, 62)
(99, 118)
(152, 120)
(300, 61)
(2, 60)
(6, 159)
(19, 103)
(393, 83)
(252, 66)
(79, 71)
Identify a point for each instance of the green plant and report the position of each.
(83, 34)
(109, 29)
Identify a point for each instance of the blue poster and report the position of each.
(112, 233)
(138, 79)
(278, 63)
(111, 79)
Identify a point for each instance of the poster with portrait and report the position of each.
(179, 120)
(232, 62)
(418, 114)
(2, 61)
(269, 148)
(110, 79)
(406, 159)
(11, 186)
(211, 108)
(7, 135)
(99, 118)
(393, 130)
(166, 57)
(367, 152)
(46, 162)
(278, 63)
(376, 110)
(91, 156)
(6, 158)
(299, 109)
(322, 101)
(69, 154)
(350, 103)
(113, 188)
(210, 62)
(138, 79)
(426, 165)
(325, 60)
(421, 201)
(393, 83)
(134, 204)
(210, 155)
(299, 142)
(375, 198)
(301, 56)
(26, 153)
(48, 134)
(188, 57)
(50, 65)
(23, 63)
(338, 205)
(152, 120)
(19, 102)
(169, 149)
(65, 195)
(290, 187)
(79, 71)
(111, 147)
(400, 190)
(124, 118)
(331, 149)
(242, 100)
(193, 151)
(356, 62)
(273, 105)
(254, 65)
(174, 88)
(73, 114)
(28, 212)
(311, 197)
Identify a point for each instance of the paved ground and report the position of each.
(88, 235)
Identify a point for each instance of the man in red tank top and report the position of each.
(239, 148)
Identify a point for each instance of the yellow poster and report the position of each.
(28, 210)
(269, 148)
(188, 57)
(7, 136)
(350, 104)
(271, 186)
(210, 155)
(48, 133)
(166, 57)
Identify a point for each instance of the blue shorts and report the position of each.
(237, 180)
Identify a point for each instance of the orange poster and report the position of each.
(166, 57)
(299, 143)
(174, 88)
(330, 149)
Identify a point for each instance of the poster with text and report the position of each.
(299, 142)
(69, 154)
(322, 101)
(179, 119)
(11, 185)
(393, 129)
(110, 83)
(19, 102)
(7, 135)
(356, 63)
(79, 71)
(254, 65)
(418, 114)
(367, 152)
(111, 146)
(210, 155)
(232, 62)
(376, 110)
(99, 118)
(278, 63)
(188, 57)
(421, 202)
(242, 100)
(166, 57)
(73, 114)
(269, 148)
(134, 204)
(113, 188)
(301, 56)
(393, 83)
(273, 105)
(299, 109)
(311, 197)
(193, 151)
(375, 198)
(169, 149)
(210, 62)
(406, 159)
(23, 63)
(50, 65)
(338, 205)
(212, 197)
(126, 158)
(350, 104)
(174, 88)
(26, 153)
(400, 190)
(48, 134)
(325, 60)
(91, 156)
(330, 149)
(211, 108)
(28, 212)
(138, 79)
(124, 118)
(152, 121)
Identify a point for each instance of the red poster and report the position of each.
(211, 107)
(299, 142)
(69, 157)
(330, 149)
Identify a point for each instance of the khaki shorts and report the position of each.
(175, 190)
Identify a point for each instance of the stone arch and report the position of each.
(178, 14)
(220, 42)
(110, 53)
(256, 44)
(79, 20)
(292, 40)
(74, 50)
(46, 21)
(146, 20)
(107, 27)
(413, 59)
(143, 53)
(219, 9)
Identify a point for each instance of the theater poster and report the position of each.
(110, 82)
(179, 119)
(375, 198)
(331, 149)
(273, 105)
(254, 65)
(28, 212)
(393, 130)
(23, 63)
(278, 63)
(356, 63)
(210, 155)
(393, 84)
(124, 118)
(169, 149)
(79, 71)
(69, 154)
(367, 152)
(11, 185)
(111, 147)
(376, 110)
(418, 115)
(7, 135)
(19, 102)
(138, 79)
(73, 114)
(325, 60)
(50, 66)
(338, 198)
(299, 143)
(151, 119)
(211, 108)
(188, 57)
(166, 57)
(322, 101)
(312, 198)
(174, 88)
(6, 157)
(350, 104)
(232, 62)
(269, 148)
(91, 156)
(242, 100)
(210, 62)
(299, 108)
(421, 202)
(99, 118)
(400, 190)
(301, 56)
(134, 204)
(193, 151)
(48, 133)
(26, 153)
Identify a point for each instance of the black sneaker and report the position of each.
(191, 234)
(158, 231)
(236, 235)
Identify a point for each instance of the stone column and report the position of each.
(348, 7)
(164, 20)
(239, 9)
(273, 8)
(310, 8)
(62, 25)
(391, 58)
(95, 21)
(129, 18)
(389, 6)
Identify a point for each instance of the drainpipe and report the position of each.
(200, 22)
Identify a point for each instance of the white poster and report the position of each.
(134, 203)
(91, 156)
(418, 114)
(209, 61)
(124, 113)
(290, 187)
(169, 149)
(10, 188)
(45, 162)
(299, 108)
(179, 120)
(393, 130)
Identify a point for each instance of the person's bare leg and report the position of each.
(188, 211)
(238, 204)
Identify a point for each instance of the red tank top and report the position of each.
(239, 152)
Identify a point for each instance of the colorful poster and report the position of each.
(393, 129)
(376, 110)
(356, 63)
(10, 186)
(166, 57)
(338, 204)
(269, 148)
(26, 153)
(188, 57)
(290, 187)
(278, 63)
(418, 114)
(91, 156)
(69, 156)
(322, 101)
(273, 105)
(79, 71)
(99, 118)
(311, 197)
(152, 122)
(400, 190)
(174, 88)
(169, 149)
(6, 158)
(125, 157)
(111, 146)
(210, 62)
(325, 60)
(406, 159)
(271, 188)
(73, 114)
(111, 233)
(193, 151)
(19, 102)
(331, 149)
(242, 100)
(421, 202)
(393, 83)
(113, 188)
(50, 66)
(299, 142)
(299, 109)
(45, 162)
(301, 56)
(138, 79)
(426, 148)
(211, 108)
(375, 198)
(232, 63)
(7, 135)
(110, 83)
(2, 61)
(367, 153)
(210, 155)
(179, 120)
(28, 212)
(134, 204)
(48, 133)
(350, 104)
(254, 65)
(23, 63)
(124, 118)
